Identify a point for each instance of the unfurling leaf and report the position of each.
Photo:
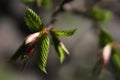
(42, 50)
(104, 38)
(20, 51)
(63, 32)
(59, 47)
(64, 48)
(33, 21)
(60, 52)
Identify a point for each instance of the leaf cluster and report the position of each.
(40, 40)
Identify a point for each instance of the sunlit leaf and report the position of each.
(42, 50)
(60, 52)
(104, 38)
(63, 32)
(19, 52)
(32, 20)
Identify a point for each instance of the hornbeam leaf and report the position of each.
(63, 32)
(60, 52)
(104, 38)
(58, 48)
(42, 49)
(32, 20)
(19, 52)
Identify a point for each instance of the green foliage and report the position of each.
(104, 38)
(40, 40)
(42, 50)
(115, 60)
(60, 52)
(63, 32)
(19, 52)
(58, 48)
(32, 20)
(100, 15)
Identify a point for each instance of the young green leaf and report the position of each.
(63, 32)
(32, 20)
(104, 38)
(59, 47)
(42, 49)
(19, 52)
(60, 52)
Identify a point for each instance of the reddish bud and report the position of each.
(106, 53)
(32, 38)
